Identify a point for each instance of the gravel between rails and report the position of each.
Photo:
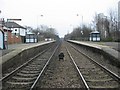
(94, 76)
(61, 74)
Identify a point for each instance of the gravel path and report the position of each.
(61, 74)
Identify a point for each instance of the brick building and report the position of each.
(18, 33)
(13, 32)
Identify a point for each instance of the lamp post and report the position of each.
(81, 25)
(82, 19)
(38, 20)
(37, 24)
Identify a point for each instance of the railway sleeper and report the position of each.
(31, 69)
(27, 75)
(18, 85)
(30, 72)
(98, 77)
(24, 78)
(103, 84)
(99, 80)
(85, 72)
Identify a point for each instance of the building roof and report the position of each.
(13, 25)
(95, 32)
(30, 33)
(3, 27)
(1, 23)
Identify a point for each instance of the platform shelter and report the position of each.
(94, 36)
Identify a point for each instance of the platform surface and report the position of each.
(15, 49)
(111, 48)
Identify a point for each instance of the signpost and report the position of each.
(8, 20)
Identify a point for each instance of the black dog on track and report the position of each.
(61, 56)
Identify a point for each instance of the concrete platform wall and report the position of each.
(20, 56)
(115, 61)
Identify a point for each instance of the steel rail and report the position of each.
(33, 85)
(114, 75)
(18, 68)
(85, 83)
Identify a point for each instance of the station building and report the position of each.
(2, 45)
(94, 36)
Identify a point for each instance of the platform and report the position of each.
(108, 49)
(16, 49)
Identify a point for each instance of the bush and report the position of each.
(107, 40)
(117, 40)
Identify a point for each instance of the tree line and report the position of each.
(106, 25)
(79, 33)
(43, 32)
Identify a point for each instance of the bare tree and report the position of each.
(105, 24)
(79, 33)
(114, 23)
(99, 21)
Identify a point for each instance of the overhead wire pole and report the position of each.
(81, 24)
(82, 29)
(38, 20)
(82, 20)
(7, 34)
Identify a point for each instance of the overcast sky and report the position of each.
(60, 14)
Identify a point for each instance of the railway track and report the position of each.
(27, 75)
(93, 74)
(41, 73)
(61, 73)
